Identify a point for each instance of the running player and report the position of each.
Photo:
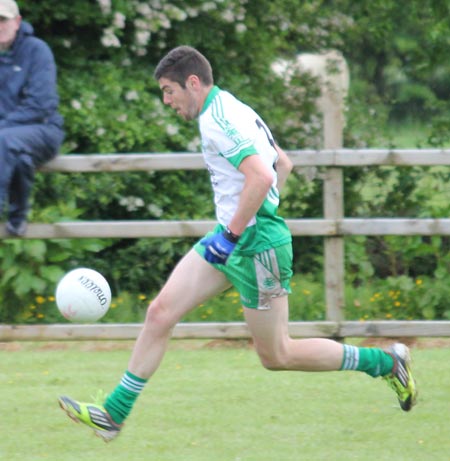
(250, 248)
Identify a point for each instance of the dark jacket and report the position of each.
(28, 91)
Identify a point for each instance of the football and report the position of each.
(83, 295)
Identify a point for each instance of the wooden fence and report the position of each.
(333, 227)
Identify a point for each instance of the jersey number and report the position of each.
(260, 125)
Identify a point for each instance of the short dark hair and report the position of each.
(181, 62)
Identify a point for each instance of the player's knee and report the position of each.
(158, 315)
(273, 361)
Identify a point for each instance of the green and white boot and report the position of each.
(92, 415)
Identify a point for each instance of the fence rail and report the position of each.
(334, 227)
(298, 227)
(228, 330)
(77, 163)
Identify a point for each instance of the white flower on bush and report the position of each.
(152, 17)
(159, 112)
(172, 130)
(100, 132)
(72, 146)
(132, 95)
(105, 6)
(122, 118)
(142, 24)
(131, 203)
(144, 8)
(75, 104)
(192, 12)
(109, 39)
(208, 6)
(119, 20)
(228, 16)
(194, 145)
(161, 21)
(176, 13)
(155, 210)
(139, 51)
(143, 37)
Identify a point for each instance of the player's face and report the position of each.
(8, 31)
(182, 100)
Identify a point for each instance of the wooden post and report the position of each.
(332, 105)
(334, 246)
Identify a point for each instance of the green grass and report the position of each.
(218, 404)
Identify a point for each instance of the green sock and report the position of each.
(120, 402)
(372, 360)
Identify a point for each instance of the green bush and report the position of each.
(400, 298)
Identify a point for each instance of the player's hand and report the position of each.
(218, 248)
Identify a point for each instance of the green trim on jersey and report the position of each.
(236, 159)
(211, 95)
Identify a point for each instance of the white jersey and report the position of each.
(231, 131)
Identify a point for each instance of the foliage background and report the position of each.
(106, 51)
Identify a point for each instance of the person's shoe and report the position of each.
(93, 415)
(16, 231)
(401, 379)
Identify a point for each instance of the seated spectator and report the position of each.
(31, 129)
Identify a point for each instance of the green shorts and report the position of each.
(258, 278)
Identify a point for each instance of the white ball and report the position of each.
(83, 295)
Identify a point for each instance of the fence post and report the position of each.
(332, 105)
(334, 246)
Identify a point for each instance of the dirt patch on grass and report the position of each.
(87, 346)
(108, 346)
(419, 343)
(229, 344)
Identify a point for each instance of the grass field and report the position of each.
(214, 402)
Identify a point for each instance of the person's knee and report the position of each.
(26, 162)
(273, 359)
(159, 315)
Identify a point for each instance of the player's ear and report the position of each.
(193, 82)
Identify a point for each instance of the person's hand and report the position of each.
(218, 247)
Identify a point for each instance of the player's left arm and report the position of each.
(258, 181)
(284, 166)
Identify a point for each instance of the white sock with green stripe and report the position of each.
(120, 402)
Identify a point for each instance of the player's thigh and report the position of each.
(269, 328)
(192, 282)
